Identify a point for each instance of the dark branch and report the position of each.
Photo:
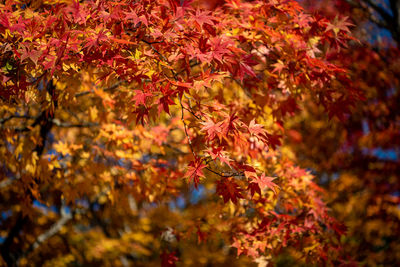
(5, 249)
(4, 120)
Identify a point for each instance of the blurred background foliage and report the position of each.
(358, 160)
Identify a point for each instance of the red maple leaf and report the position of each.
(203, 17)
(239, 246)
(168, 259)
(229, 190)
(194, 171)
(254, 188)
(30, 54)
(256, 129)
(141, 113)
(219, 48)
(140, 97)
(229, 123)
(245, 67)
(164, 103)
(339, 25)
(19, 26)
(217, 153)
(278, 66)
(265, 182)
(213, 129)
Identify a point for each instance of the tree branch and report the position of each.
(74, 125)
(65, 217)
(185, 128)
(54, 229)
(381, 11)
(389, 22)
(162, 57)
(4, 120)
(112, 87)
(9, 257)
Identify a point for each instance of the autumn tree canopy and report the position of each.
(358, 160)
(149, 132)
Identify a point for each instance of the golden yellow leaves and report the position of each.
(66, 149)
(30, 167)
(93, 113)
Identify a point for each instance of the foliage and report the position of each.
(147, 132)
(357, 160)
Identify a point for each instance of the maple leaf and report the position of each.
(265, 182)
(140, 97)
(62, 148)
(85, 47)
(141, 113)
(78, 13)
(279, 66)
(132, 15)
(254, 188)
(181, 87)
(239, 246)
(339, 25)
(256, 129)
(229, 123)
(245, 67)
(19, 27)
(164, 103)
(219, 48)
(194, 171)
(31, 54)
(213, 129)
(203, 17)
(273, 140)
(169, 259)
(166, 100)
(216, 153)
(248, 170)
(229, 190)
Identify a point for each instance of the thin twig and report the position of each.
(185, 128)
(4, 120)
(190, 109)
